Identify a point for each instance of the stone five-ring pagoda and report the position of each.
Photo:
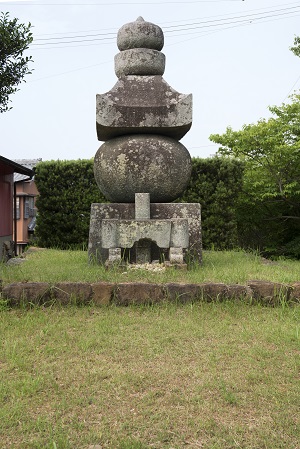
(142, 167)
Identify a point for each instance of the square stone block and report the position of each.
(158, 211)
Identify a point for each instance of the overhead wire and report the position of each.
(163, 23)
(202, 25)
(179, 28)
(121, 4)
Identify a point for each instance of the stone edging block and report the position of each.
(105, 293)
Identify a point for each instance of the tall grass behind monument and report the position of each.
(229, 267)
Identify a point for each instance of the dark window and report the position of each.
(29, 207)
(26, 207)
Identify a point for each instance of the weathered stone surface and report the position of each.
(143, 105)
(140, 34)
(102, 293)
(16, 261)
(114, 255)
(127, 232)
(141, 119)
(139, 61)
(72, 292)
(214, 291)
(269, 292)
(158, 211)
(189, 211)
(165, 233)
(236, 291)
(183, 292)
(105, 293)
(176, 255)
(157, 165)
(29, 292)
(138, 293)
(295, 291)
(142, 206)
(99, 211)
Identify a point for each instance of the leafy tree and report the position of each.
(15, 39)
(296, 48)
(270, 204)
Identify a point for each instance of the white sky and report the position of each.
(232, 55)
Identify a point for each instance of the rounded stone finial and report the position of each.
(140, 34)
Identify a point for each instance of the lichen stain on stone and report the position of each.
(122, 164)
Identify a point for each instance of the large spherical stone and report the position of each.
(139, 61)
(142, 163)
(140, 34)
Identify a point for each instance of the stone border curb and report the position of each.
(124, 294)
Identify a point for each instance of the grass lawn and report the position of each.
(219, 375)
(224, 266)
(212, 376)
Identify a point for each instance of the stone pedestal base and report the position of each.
(108, 220)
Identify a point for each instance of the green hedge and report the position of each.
(216, 184)
(67, 190)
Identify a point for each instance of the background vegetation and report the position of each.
(268, 210)
(67, 189)
(216, 184)
(15, 38)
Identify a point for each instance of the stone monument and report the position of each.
(142, 167)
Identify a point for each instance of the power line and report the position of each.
(68, 71)
(125, 4)
(244, 19)
(162, 23)
(221, 29)
(232, 22)
(291, 89)
(172, 26)
(237, 17)
(74, 37)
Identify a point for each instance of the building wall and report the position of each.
(6, 207)
(6, 203)
(25, 191)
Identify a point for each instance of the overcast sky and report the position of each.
(232, 55)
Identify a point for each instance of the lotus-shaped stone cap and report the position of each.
(140, 34)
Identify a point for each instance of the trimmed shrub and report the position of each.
(216, 184)
(67, 189)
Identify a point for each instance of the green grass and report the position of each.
(201, 375)
(225, 266)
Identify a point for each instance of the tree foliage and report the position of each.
(66, 191)
(296, 48)
(270, 205)
(15, 38)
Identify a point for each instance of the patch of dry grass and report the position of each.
(195, 376)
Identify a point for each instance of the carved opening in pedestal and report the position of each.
(144, 251)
